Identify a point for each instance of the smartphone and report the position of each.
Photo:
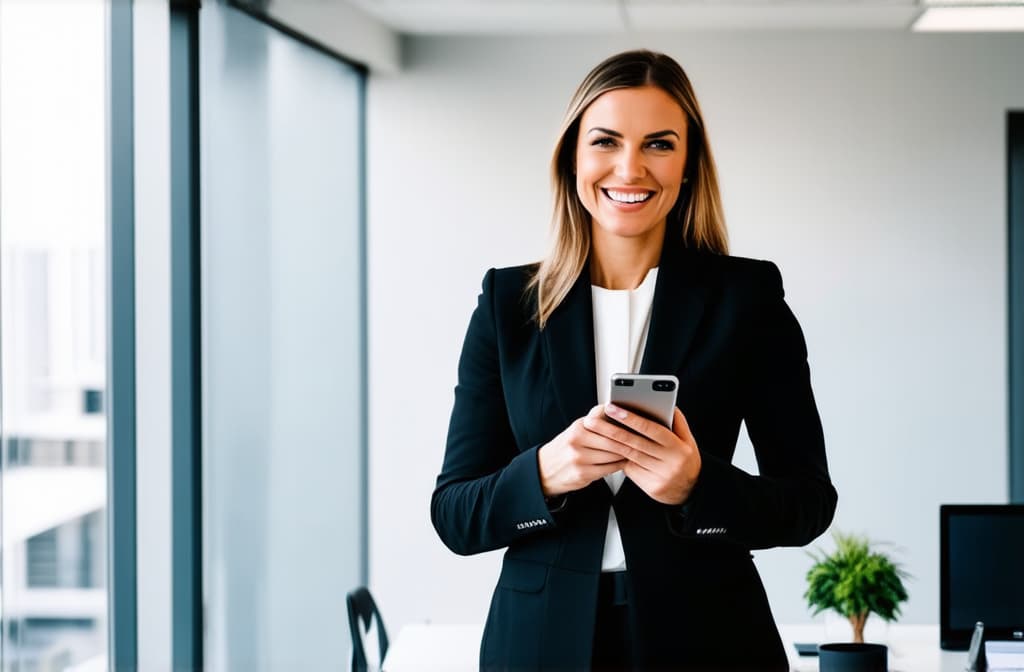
(653, 397)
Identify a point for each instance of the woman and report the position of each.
(630, 550)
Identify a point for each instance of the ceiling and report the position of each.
(613, 16)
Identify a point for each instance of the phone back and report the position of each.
(652, 396)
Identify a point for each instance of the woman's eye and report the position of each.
(663, 145)
(603, 142)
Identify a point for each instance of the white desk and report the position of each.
(912, 648)
(456, 648)
(424, 647)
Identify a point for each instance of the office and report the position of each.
(868, 163)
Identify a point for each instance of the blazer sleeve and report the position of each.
(488, 494)
(792, 500)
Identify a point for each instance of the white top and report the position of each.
(621, 320)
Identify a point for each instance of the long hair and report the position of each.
(697, 215)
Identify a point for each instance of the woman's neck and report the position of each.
(618, 262)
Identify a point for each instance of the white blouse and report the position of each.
(621, 320)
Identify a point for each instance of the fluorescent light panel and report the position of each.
(971, 19)
(970, 3)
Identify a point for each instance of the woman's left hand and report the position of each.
(662, 462)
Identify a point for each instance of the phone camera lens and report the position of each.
(664, 385)
(623, 382)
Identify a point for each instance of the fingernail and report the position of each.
(615, 411)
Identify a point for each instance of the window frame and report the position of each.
(122, 595)
(1015, 293)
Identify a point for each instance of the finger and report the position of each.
(680, 427)
(660, 487)
(634, 430)
(595, 412)
(621, 442)
(643, 478)
(604, 426)
(650, 429)
(638, 473)
(588, 455)
(601, 470)
(651, 483)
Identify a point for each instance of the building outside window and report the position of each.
(53, 100)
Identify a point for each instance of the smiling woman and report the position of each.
(628, 542)
(627, 176)
(661, 137)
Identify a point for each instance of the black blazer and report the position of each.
(718, 323)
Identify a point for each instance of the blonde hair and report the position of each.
(697, 215)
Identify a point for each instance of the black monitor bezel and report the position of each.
(958, 639)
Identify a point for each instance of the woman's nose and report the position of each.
(630, 165)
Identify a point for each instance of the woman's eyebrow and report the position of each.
(649, 136)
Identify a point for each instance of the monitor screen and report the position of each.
(982, 568)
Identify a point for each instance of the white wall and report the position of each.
(870, 166)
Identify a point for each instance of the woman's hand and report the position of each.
(662, 462)
(577, 457)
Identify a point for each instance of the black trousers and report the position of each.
(614, 649)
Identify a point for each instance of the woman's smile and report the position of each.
(625, 197)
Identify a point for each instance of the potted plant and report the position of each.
(855, 581)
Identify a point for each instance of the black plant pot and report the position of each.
(853, 658)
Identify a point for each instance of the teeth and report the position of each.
(628, 197)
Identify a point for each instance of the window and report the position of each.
(282, 364)
(53, 208)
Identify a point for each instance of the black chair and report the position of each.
(361, 608)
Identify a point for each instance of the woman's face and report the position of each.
(630, 157)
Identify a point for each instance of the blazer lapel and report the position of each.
(676, 310)
(569, 345)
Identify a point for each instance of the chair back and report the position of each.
(362, 610)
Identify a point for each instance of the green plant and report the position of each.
(855, 581)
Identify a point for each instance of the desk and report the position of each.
(912, 648)
(455, 648)
(425, 647)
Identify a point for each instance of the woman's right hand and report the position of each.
(576, 458)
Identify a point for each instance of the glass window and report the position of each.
(282, 335)
(53, 98)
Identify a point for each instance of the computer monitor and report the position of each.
(982, 572)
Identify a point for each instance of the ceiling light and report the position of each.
(972, 17)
